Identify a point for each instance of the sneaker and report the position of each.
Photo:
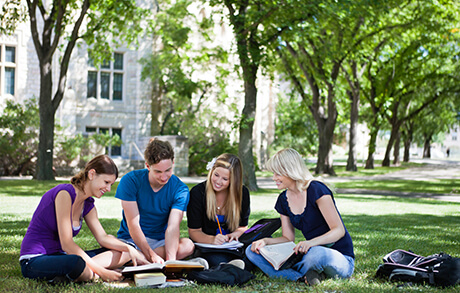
(201, 261)
(237, 263)
(313, 278)
(59, 280)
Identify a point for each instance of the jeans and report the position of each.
(55, 265)
(50, 266)
(318, 258)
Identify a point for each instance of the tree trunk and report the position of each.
(372, 147)
(325, 161)
(394, 134)
(407, 143)
(396, 160)
(246, 139)
(354, 112)
(326, 127)
(427, 147)
(46, 134)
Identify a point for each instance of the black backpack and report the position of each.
(224, 274)
(260, 229)
(405, 266)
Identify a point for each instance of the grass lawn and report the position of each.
(377, 224)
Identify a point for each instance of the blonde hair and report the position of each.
(288, 162)
(235, 191)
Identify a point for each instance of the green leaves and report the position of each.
(18, 136)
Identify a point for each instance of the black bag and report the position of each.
(405, 266)
(225, 274)
(260, 229)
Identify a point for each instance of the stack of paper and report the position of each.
(233, 245)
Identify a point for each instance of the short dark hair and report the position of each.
(158, 150)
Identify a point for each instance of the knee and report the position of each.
(187, 245)
(249, 253)
(78, 271)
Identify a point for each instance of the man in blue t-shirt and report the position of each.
(154, 201)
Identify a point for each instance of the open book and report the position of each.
(281, 256)
(170, 267)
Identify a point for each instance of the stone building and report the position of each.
(113, 99)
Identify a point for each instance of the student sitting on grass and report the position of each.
(218, 210)
(307, 205)
(48, 250)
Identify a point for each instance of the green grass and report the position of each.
(378, 224)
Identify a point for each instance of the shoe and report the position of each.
(59, 280)
(237, 263)
(201, 261)
(313, 278)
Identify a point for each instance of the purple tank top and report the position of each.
(42, 236)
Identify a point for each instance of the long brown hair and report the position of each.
(235, 190)
(102, 164)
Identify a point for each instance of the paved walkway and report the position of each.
(433, 169)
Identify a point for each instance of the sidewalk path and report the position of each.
(433, 169)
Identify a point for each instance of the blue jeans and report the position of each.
(318, 258)
(50, 266)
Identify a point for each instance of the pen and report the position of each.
(218, 224)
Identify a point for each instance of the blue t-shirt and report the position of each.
(154, 207)
(311, 222)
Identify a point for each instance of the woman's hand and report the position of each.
(220, 239)
(234, 236)
(257, 245)
(108, 275)
(302, 247)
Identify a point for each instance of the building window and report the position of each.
(109, 150)
(7, 69)
(106, 82)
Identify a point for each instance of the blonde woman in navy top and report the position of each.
(48, 250)
(308, 205)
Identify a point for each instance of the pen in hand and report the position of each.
(218, 224)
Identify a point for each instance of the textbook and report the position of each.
(281, 255)
(149, 279)
(170, 268)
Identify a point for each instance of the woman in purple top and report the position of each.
(48, 250)
(308, 205)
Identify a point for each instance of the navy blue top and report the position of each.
(311, 222)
